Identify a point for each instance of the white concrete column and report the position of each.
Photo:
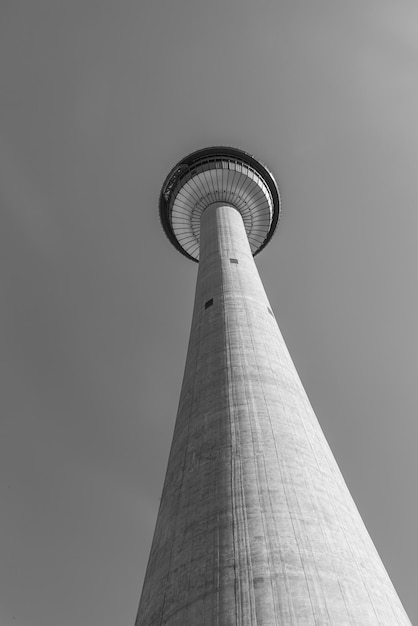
(256, 526)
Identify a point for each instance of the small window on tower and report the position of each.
(233, 261)
(208, 303)
(270, 311)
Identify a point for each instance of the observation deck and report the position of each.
(213, 175)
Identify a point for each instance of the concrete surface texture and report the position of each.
(256, 525)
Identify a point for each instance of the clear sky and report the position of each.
(98, 101)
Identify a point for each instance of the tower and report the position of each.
(256, 526)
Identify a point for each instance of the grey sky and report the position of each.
(98, 101)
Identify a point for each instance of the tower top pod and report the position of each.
(214, 175)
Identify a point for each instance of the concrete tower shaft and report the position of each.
(256, 526)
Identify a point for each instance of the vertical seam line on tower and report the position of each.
(249, 326)
(286, 497)
(233, 427)
(237, 596)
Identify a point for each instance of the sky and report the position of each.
(98, 102)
